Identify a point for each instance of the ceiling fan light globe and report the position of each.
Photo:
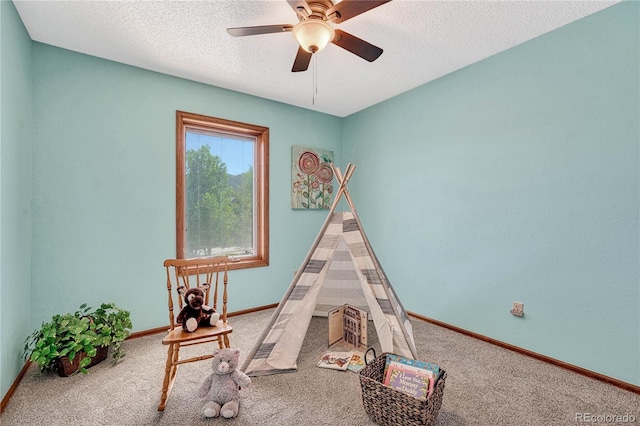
(313, 35)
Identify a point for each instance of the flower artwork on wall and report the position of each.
(311, 178)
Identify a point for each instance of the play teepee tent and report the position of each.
(340, 268)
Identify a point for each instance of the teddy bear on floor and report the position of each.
(222, 386)
(195, 313)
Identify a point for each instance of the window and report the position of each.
(222, 190)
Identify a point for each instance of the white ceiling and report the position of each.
(422, 40)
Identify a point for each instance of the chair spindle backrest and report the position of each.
(195, 272)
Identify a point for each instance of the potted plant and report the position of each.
(75, 341)
(112, 325)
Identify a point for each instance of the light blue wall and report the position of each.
(517, 179)
(104, 184)
(15, 192)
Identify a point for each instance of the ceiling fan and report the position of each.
(313, 32)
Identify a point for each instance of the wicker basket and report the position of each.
(387, 406)
(66, 368)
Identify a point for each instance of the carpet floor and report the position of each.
(486, 385)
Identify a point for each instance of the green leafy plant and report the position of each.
(80, 332)
(112, 325)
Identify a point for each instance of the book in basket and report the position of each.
(418, 384)
(413, 362)
(413, 377)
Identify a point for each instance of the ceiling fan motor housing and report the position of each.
(319, 8)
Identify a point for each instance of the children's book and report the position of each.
(409, 370)
(413, 362)
(357, 362)
(409, 381)
(411, 367)
(335, 360)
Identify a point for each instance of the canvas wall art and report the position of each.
(311, 178)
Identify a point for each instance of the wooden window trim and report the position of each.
(261, 174)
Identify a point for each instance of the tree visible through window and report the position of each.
(221, 201)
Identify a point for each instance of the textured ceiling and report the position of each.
(422, 40)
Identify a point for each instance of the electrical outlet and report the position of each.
(518, 309)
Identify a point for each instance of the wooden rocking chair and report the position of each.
(193, 273)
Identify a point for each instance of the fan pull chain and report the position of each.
(314, 89)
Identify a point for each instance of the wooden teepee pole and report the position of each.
(342, 181)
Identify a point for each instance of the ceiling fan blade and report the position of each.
(301, 63)
(262, 29)
(300, 7)
(356, 45)
(347, 9)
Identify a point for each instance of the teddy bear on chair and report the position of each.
(195, 313)
(221, 388)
